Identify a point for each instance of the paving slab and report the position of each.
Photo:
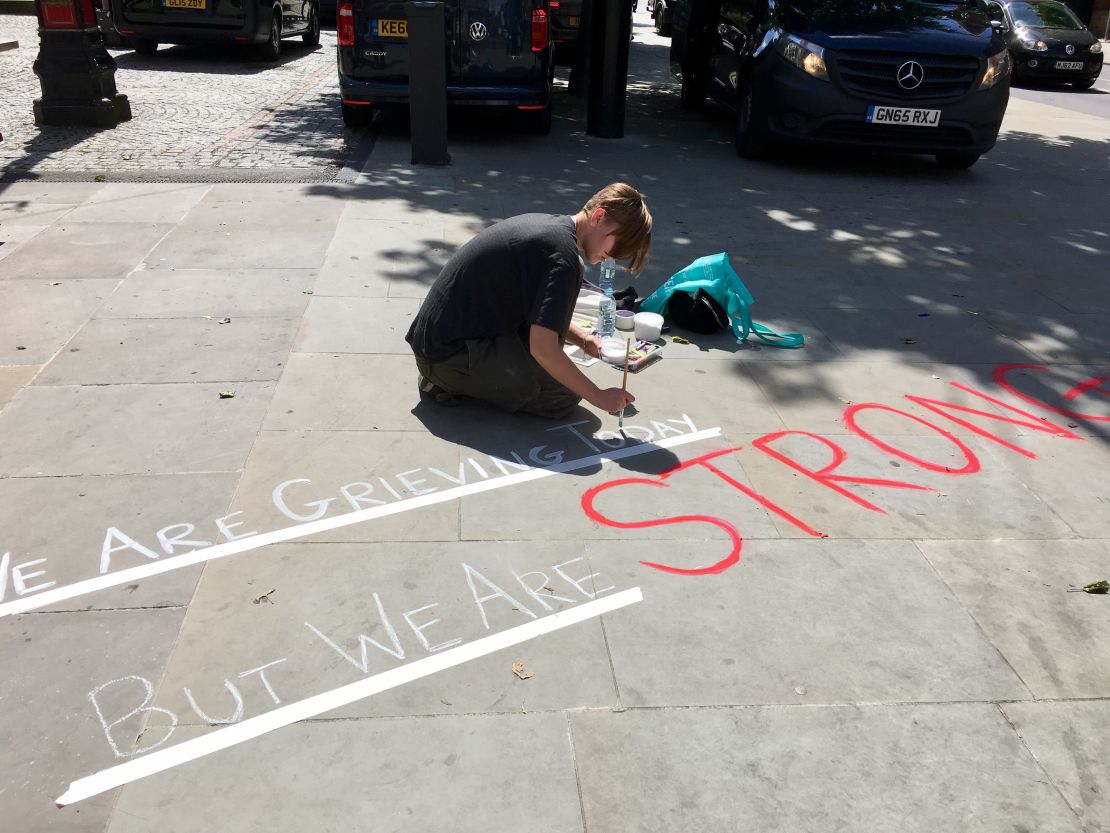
(107, 250)
(49, 731)
(134, 202)
(43, 316)
(989, 503)
(448, 775)
(183, 507)
(317, 623)
(36, 214)
(110, 429)
(1070, 741)
(374, 466)
(160, 350)
(252, 247)
(1063, 337)
(219, 293)
(357, 325)
(31, 193)
(14, 379)
(910, 768)
(557, 507)
(270, 205)
(794, 623)
(1017, 592)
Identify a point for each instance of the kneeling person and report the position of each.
(494, 322)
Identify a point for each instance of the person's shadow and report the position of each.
(524, 440)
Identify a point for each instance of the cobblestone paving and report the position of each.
(198, 113)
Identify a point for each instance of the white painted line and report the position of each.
(144, 571)
(190, 750)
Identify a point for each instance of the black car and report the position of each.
(498, 55)
(661, 12)
(1048, 42)
(146, 23)
(566, 22)
(902, 75)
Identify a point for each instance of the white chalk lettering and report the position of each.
(662, 429)
(479, 469)
(460, 481)
(169, 542)
(362, 498)
(535, 593)
(631, 430)
(471, 575)
(261, 672)
(126, 543)
(225, 529)
(419, 630)
(219, 721)
(571, 427)
(143, 707)
(686, 421)
(278, 497)
(414, 485)
(551, 459)
(504, 465)
(392, 491)
(5, 559)
(364, 640)
(558, 568)
(610, 439)
(19, 577)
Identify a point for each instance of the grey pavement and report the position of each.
(857, 609)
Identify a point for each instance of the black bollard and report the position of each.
(610, 28)
(76, 73)
(427, 82)
(580, 66)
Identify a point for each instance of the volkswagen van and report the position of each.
(498, 55)
(918, 76)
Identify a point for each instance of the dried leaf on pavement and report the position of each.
(518, 669)
(1097, 587)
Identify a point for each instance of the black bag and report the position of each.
(698, 312)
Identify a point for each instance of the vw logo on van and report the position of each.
(1070, 49)
(478, 31)
(910, 75)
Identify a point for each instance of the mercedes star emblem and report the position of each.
(1069, 49)
(478, 31)
(910, 75)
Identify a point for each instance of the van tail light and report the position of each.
(555, 4)
(539, 30)
(345, 24)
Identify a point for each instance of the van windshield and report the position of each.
(1044, 16)
(878, 13)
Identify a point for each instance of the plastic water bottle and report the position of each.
(607, 309)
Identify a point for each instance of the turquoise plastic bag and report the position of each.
(715, 275)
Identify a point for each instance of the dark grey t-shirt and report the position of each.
(522, 271)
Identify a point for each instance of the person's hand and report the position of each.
(591, 346)
(612, 400)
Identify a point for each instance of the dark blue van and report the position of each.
(918, 76)
(498, 55)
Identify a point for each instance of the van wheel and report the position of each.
(271, 50)
(692, 95)
(957, 161)
(354, 116)
(144, 46)
(1085, 84)
(537, 122)
(751, 128)
(311, 37)
(662, 19)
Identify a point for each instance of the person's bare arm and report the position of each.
(546, 350)
(590, 344)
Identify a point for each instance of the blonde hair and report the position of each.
(625, 206)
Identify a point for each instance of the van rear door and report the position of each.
(190, 13)
(493, 44)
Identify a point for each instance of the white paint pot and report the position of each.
(625, 319)
(649, 325)
(613, 350)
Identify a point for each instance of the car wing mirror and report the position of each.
(999, 26)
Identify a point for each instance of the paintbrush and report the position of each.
(624, 381)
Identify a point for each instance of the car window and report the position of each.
(995, 12)
(1044, 15)
(739, 12)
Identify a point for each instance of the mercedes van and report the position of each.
(498, 55)
(917, 76)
